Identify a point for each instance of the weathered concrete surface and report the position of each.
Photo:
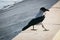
(51, 22)
(57, 36)
(15, 18)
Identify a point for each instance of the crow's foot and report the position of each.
(34, 29)
(45, 30)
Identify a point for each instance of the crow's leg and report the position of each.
(33, 28)
(44, 27)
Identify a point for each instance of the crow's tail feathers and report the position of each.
(26, 27)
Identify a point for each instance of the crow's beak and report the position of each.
(47, 10)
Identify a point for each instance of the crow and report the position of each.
(39, 19)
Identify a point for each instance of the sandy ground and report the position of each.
(51, 22)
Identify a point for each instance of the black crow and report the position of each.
(39, 18)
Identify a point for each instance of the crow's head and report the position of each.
(44, 9)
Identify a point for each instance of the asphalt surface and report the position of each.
(15, 18)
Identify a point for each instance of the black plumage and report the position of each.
(34, 22)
